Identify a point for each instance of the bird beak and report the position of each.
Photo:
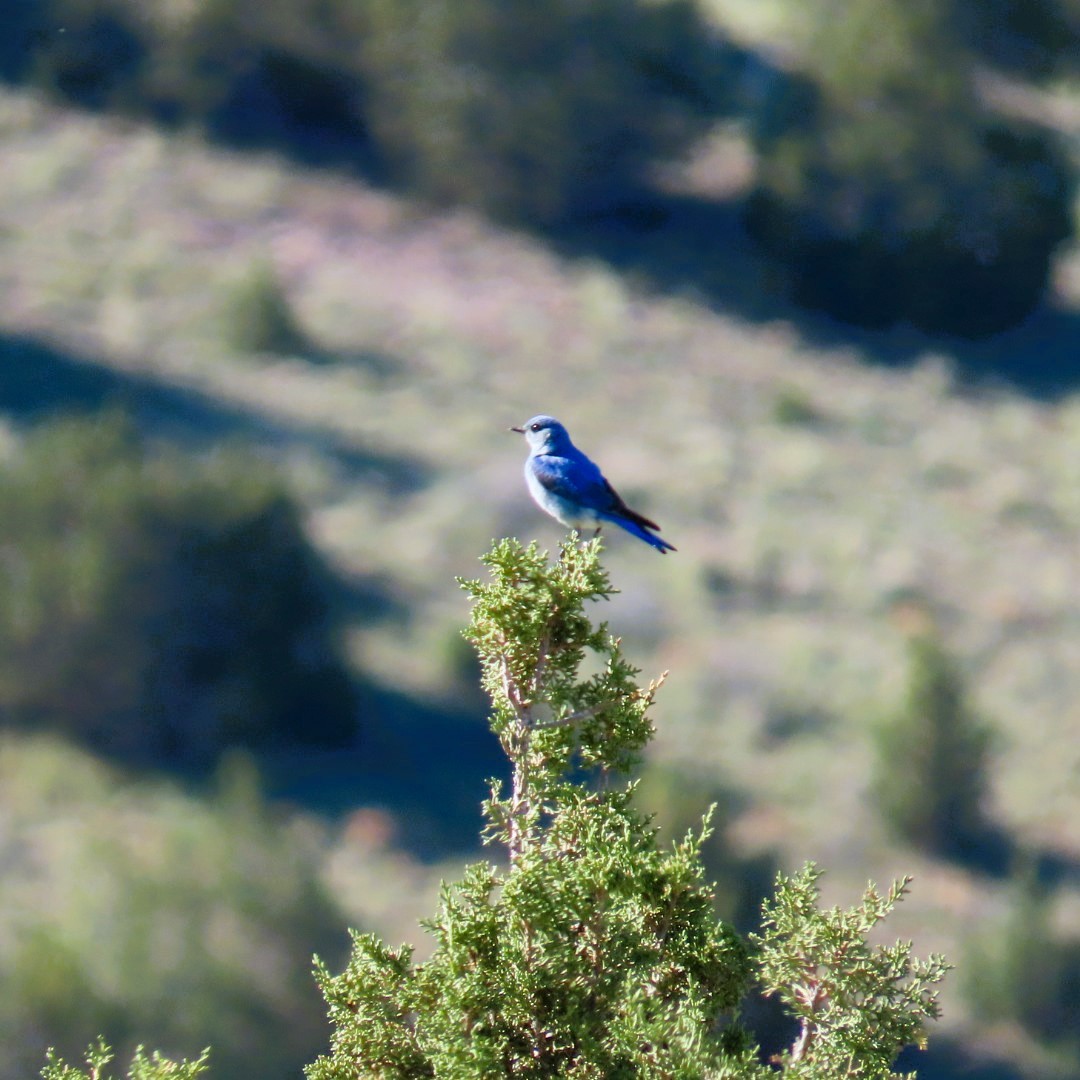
(519, 430)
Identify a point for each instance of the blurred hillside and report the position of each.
(890, 183)
(223, 271)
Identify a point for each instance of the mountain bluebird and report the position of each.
(570, 487)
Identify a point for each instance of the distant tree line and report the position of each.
(532, 112)
(884, 185)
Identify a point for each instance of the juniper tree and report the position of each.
(588, 950)
(143, 1066)
(857, 1005)
(936, 800)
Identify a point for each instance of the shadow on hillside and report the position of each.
(38, 382)
(429, 766)
(366, 599)
(687, 245)
(945, 1059)
(996, 853)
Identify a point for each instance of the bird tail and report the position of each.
(640, 527)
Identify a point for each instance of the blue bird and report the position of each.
(570, 487)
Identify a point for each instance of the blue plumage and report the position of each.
(570, 487)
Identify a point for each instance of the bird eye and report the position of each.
(534, 427)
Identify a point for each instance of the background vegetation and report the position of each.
(196, 571)
(892, 192)
(157, 915)
(213, 224)
(886, 188)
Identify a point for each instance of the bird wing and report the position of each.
(581, 482)
(577, 480)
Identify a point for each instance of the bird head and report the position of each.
(544, 434)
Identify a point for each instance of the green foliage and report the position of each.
(674, 797)
(530, 111)
(857, 1005)
(98, 1056)
(596, 953)
(156, 916)
(930, 781)
(258, 316)
(890, 191)
(161, 606)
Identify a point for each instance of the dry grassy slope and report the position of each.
(121, 245)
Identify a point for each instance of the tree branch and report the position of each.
(573, 718)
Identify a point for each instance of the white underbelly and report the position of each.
(572, 515)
